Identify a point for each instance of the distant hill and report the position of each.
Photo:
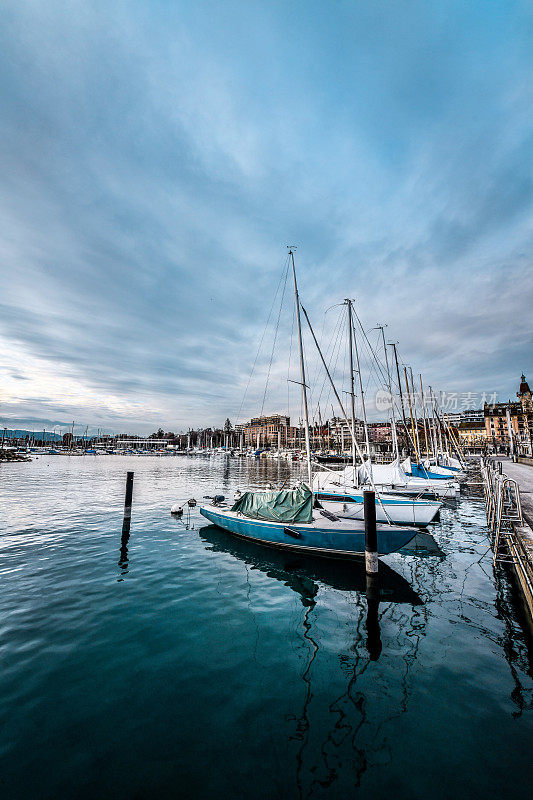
(20, 434)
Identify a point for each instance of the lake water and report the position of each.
(182, 662)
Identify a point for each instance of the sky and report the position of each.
(156, 159)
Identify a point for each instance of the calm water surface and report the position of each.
(183, 663)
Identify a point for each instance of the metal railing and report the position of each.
(502, 499)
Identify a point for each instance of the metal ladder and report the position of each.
(502, 498)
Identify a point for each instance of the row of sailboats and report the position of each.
(303, 518)
(341, 492)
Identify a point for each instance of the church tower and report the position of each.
(524, 394)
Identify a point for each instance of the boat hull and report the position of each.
(328, 540)
(399, 510)
(434, 473)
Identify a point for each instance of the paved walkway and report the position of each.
(523, 475)
(521, 544)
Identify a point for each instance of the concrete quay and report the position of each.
(520, 542)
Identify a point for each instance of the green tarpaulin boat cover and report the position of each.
(294, 505)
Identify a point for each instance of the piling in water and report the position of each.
(371, 536)
(129, 496)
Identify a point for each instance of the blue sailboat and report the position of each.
(287, 519)
(290, 519)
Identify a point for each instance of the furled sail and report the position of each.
(288, 505)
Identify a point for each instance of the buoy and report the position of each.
(191, 502)
(177, 509)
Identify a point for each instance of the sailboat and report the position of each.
(291, 519)
(339, 493)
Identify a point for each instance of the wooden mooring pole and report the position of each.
(129, 496)
(373, 642)
(371, 536)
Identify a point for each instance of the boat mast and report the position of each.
(423, 399)
(437, 420)
(302, 372)
(415, 413)
(432, 426)
(389, 387)
(339, 401)
(393, 345)
(411, 414)
(352, 383)
(363, 404)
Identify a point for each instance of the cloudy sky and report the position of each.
(157, 157)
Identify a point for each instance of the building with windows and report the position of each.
(454, 419)
(472, 434)
(341, 435)
(272, 431)
(473, 415)
(510, 425)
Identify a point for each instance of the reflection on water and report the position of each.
(423, 545)
(302, 573)
(373, 593)
(123, 560)
(305, 575)
(250, 672)
(518, 651)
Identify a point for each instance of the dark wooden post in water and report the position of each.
(371, 536)
(373, 642)
(129, 496)
(126, 523)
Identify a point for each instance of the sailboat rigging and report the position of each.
(289, 518)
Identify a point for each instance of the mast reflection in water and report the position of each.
(307, 576)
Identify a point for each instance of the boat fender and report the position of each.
(177, 510)
(291, 532)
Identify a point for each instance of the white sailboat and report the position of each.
(341, 494)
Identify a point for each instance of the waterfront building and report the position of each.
(268, 431)
(473, 415)
(379, 432)
(510, 425)
(454, 419)
(341, 435)
(472, 434)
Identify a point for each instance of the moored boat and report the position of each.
(286, 519)
(390, 507)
